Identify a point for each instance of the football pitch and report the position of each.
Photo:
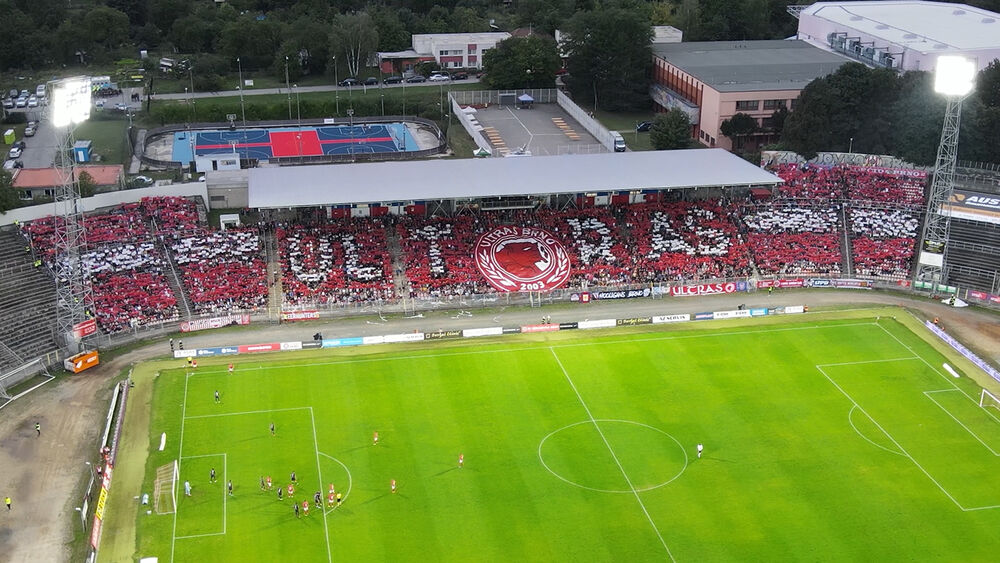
(840, 440)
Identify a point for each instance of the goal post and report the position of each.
(987, 399)
(165, 488)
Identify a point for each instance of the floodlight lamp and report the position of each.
(954, 76)
(71, 101)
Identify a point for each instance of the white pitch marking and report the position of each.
(319, 471)
(350, 480)
(246, 412)
(180, 456)
(973, 434)
(866, 438)
(901, 448)
(613, 455)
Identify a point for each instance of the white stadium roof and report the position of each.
(923, 26)
(443, 179)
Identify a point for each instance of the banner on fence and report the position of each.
(792, 309)
(707, 289)
(961, 349)
(568, 326)
(85, 328)
(707, 316)
(797, 282)
(291, 345)
(269, 347)
(102, 499)
(758, 312)
(539, 328)
(366, 340)
(488, 331)
(405, 337)
(299, 315)
(621, 294)
(633, 321)
(337, 342)
(214, 322)
(739, 314)
(602, 323)
(671, 319)
(312, 344)
(442, 334)
(974, 206)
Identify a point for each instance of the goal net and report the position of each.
(988, 399)
(165, 488)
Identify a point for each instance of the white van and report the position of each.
(619, 141)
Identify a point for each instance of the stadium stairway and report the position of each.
(846, 249)
(275, 292)
(400, 285)
(27, 302)
(173, 278)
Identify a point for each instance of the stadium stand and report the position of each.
(792, 238)
(437, 254)
(342, 262)
(223, 271)
(974, 255)
(882, 241)
(684, 240)
(28, 309)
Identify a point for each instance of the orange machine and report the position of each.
(81, 361)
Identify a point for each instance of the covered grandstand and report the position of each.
(566, 177)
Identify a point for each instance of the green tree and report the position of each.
(609, 58)
(522, 62)
(738, 128)
(353, 38)
(988, 84)
(8, 195)
(253, 42)
(670, 130)
(392, 33)
(85, 183)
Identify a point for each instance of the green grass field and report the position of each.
(824, 440)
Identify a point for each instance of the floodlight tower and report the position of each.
(70, 107)
(953, 78)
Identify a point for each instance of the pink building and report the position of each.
(712, 81)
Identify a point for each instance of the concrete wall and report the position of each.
(594, 127)
(99, 201)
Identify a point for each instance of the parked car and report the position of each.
(14, 152)
(33, 101)
(21, 102)
(29, 131)
(371, 81)
(12, 93)
(416, 78)
(121, 107)
(142, 181)
(460, 76)
(8, 103)
(643, 126)
(18, 144)
(392, 80)
(24, 94)
(12, 164)
(348, 82)
(439, 78)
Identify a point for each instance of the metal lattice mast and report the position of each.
(72, 278)
(937, 225)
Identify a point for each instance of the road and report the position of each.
(299, 89)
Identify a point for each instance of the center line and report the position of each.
(615, 457)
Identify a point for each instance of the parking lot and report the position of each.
(542, 129)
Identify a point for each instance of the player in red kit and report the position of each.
(291, 490)
(461, 460)
(392, 486)
(305, 507)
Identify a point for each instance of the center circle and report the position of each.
(579, 454)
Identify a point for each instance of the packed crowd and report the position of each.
(684, 240)
(857, 183)
(788, 238)
(223, 270)
(343, 262)
(882, 241)
(437, 255)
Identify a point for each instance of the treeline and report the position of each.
(878, 111)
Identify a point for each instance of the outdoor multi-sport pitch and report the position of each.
(823, 440)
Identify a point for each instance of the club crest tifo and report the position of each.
(522, 259)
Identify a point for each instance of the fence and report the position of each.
(486, 97)
(594, 127)
(469, 122)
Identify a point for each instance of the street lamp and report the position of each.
(289, 90)
(336, 92)
(243, 108)
(850, 147)
(350, 114)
